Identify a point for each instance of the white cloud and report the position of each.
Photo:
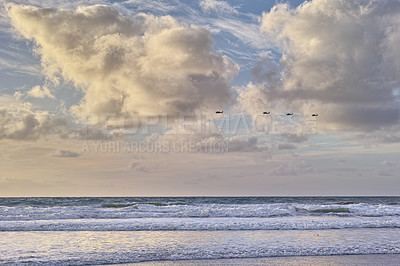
(339, 59)
(246, 32)
(40, 92)
(147, 65)
(217, 7)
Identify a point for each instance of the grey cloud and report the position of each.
(340, 169)
(23, 124)
(381, 136)
(266, 70)
(286, 146)
(295, 138)
(138, 167)
(66, 154)
(238, 144)
(292, 168)
(364, 118)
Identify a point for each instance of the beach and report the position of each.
(200, 231)
(364, 260)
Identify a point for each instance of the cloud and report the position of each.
(144, 65)
(22, 123)
(205, 136)
(246, 32)
(138, 167)
(66, 154)
(218, 7)
(40, 92)
(286, 146)
(293, 168)
(266, 70)
(382, 136)
(338, 58)
(296, 138)
(240, 144)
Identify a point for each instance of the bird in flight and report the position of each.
(266, 113)
(289, 113)
(219, 112)
(314, 115)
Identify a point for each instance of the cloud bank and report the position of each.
(338, 58)
(144, 65)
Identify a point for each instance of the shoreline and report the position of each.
(364, 259)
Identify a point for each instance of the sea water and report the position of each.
(82, 231)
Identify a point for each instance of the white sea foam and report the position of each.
(156, 210)
(202, 224)
(55, 231)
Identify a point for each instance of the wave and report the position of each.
(337, 210)
(118, 205)
(91, 201)
(159, 209)
(200, 224)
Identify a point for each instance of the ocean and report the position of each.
(115, 230)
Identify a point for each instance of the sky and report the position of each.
(119, 98)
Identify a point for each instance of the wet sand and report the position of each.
(375, 259)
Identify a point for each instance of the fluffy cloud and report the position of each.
(144, 65)
(39, 92)
(338, 58)
(22, 123)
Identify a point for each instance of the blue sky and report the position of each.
(119, 98)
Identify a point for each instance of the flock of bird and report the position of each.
(265, 113)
